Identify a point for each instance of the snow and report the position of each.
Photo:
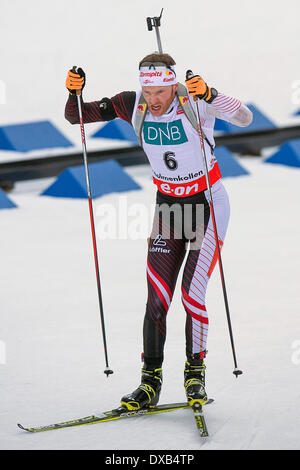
(51, 352)
(51, 328)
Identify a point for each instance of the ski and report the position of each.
(115, 414)
(200, 420)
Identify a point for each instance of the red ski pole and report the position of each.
(107, 369)
(237, 371)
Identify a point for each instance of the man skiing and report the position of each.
(162, 116)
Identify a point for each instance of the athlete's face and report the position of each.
(159, 98)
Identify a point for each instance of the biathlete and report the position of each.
(162, 113)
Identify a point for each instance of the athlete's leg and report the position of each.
(197, 272)
(166, 251)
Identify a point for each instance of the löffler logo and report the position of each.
(159, 243)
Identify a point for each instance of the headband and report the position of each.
(157, 74)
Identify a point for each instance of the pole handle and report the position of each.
(74, 70)
(189, 74)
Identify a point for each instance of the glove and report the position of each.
(75, 80)
(197, 87)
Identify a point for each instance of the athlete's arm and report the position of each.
(219, 105)
(231, 110)
(107, 109)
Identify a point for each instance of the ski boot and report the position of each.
(147, 394)
(194, 380)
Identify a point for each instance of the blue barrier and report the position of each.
(31, 136)
(105, 177)
(228, 164)
(288, 154)
(5, 202)
(117, 129)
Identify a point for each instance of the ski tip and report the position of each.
(22, 427)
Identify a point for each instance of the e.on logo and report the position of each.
(2, 353)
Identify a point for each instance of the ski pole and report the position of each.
(107, 369)
(237, 371)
